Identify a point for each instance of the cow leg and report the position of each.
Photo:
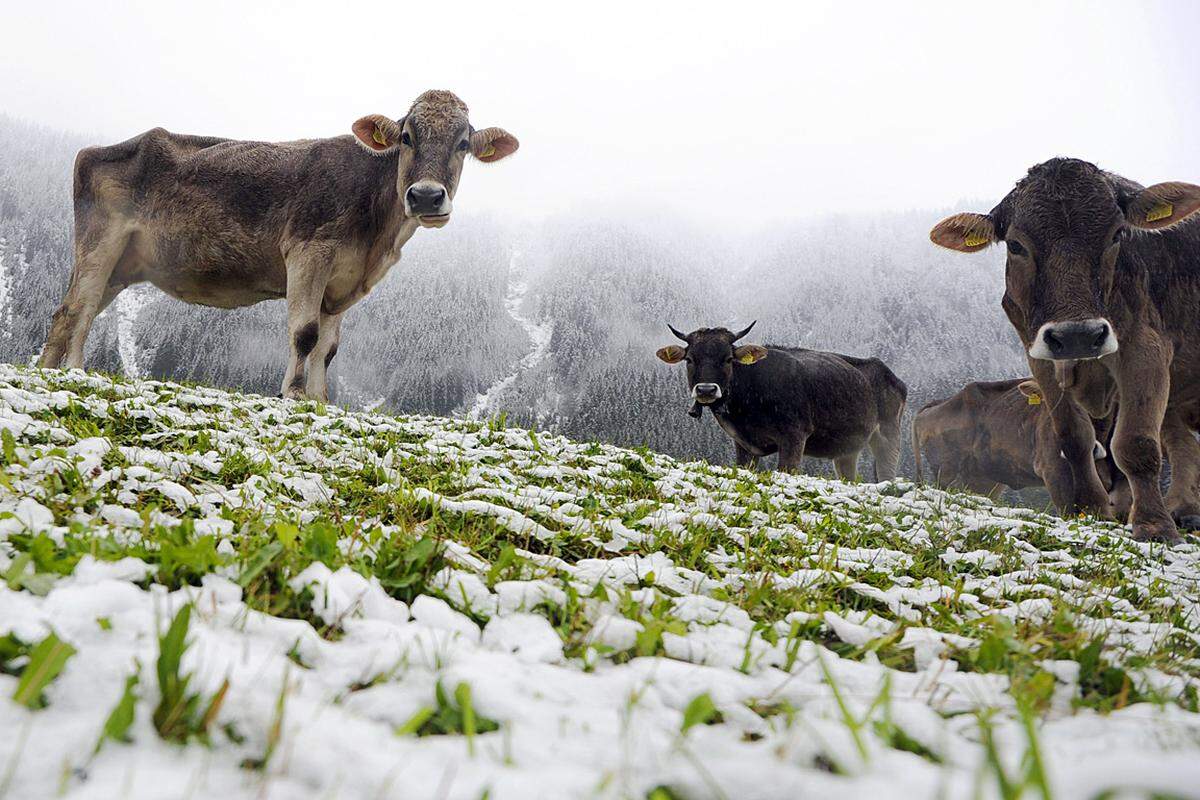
(1121, 496)
(846, 467)
(885, 447)
(791, 453)
(322, 356)
(1076, 439)
(1143, 381)
(1183, 451)
(87, 295)
(1055, 473)
(307, 276)
(744, 458)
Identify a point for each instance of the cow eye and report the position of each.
(462, 146)
(1016, 249)
(1118, 236)
(405, 139)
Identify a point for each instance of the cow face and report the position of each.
(1064, 224)
(710, 354)
(431, 142)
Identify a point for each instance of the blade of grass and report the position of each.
(45, 663)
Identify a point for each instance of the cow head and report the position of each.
(431, 142)
(710, 354)
(1064, 224)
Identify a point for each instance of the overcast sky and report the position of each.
(747, 113)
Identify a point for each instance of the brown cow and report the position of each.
(1101, 268)
(229, 223)
(993, 434)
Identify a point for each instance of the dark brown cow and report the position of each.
(1101, 268)
(993, 434)
(227, 223)
(794, 402)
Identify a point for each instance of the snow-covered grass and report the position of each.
(211, 595)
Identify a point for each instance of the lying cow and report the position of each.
(794, 402)
(993, 434)
(229, 223)
(1085, 281)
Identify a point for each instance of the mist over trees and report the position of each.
(440, 329)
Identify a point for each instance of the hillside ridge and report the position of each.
(243, 596)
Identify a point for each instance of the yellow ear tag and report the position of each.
(379, 137)
(747, 359)
(1034, 399)
(974, 240)
(488, 151)
(1160, 211)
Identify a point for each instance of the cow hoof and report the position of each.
(1162, 532)
(1188, 522)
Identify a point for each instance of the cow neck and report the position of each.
(394, 227)
(739, 398)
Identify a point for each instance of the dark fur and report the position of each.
(1150, 293)
(306, 338)
(798, 402)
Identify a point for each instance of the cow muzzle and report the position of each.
(1073, 341)
(706, 393)
(429, 202)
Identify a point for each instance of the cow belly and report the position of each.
(1009, 469)
(201, 270)
(757, 447)
(822, 445)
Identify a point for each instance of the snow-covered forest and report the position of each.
(554, 324)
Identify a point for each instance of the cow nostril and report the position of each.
(1101, 336)
(1052, 341)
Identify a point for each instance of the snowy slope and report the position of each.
(417, 607)
(539, 334)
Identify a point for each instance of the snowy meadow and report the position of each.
(208, 593)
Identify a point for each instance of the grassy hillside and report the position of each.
(206, 594)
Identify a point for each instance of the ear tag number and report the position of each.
(975, 240)
(747, 359)
(1160, 211)
(488, 152)
(379, 137)
(1034, 399)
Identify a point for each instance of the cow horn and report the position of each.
(744, 331)
(678, 335)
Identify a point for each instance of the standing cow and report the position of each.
(1100, 267)
(792, 401)
(230, 223)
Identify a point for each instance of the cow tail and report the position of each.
(916, 445)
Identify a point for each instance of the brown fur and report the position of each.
(230, 223)
(1082, 247)
(988, 436)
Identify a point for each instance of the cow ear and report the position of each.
(672, 353)
(378, 134)
(1163, 205)
(1032, 392)
(749, 353)
(493, 144)
(967, 233)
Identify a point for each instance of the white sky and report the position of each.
(745, 113)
